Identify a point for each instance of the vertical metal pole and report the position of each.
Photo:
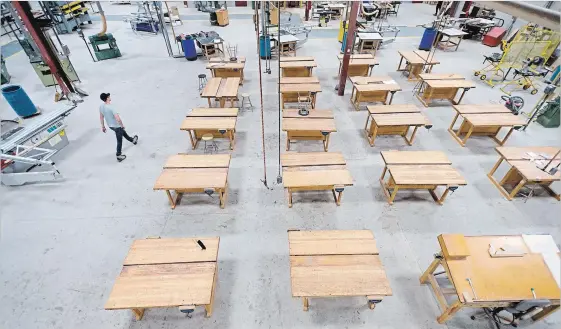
(160, 13)
(261, 96)
(279, 177)
(308, 7)
(348, 47)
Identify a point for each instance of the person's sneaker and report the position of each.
(121, 157)
(135, 139)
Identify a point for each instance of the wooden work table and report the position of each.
(443, 89)
(526, 164)
(167, 273)
(299, 80)
(315, 171)
(362, 67)
(373, 89)
(227, 70)
(484, 120)
(394, 120)
(297, 59)
(481, 279)
(220, 122)
(419, 170)
(184, 173)
(336, 264)
(224, 89)
(297, 68)
(317, 125)
(296, 92)
(416, 62)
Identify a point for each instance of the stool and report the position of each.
(210, 145)
(244, 96)
(202, 81)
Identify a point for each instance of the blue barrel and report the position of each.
(19, 101)
(428, 39)
(555, 74)
(265, 47)
(189, 48)
(344, 43)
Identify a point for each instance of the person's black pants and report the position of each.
(438, 6)
(120, 133)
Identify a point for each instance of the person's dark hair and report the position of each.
(104, 96)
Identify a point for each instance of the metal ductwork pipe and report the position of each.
(531, 13)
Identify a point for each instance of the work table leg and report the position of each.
(502, 142)
(461, 96)
(517, 188)
(231, 137)
(138, 313)
(410, 140)
(306, 303)
(449, 312)
(392, 196)
(171, 199)
(430, 270)
(470, 131)
(548, 310)
(193, 144)
(289, 198)
(209, 308)
(392, 93)
(326, 142)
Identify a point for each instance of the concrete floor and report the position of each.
(62, 244)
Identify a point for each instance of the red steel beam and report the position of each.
(348, 47)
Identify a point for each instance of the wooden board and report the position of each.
(450, 83)
(425, 55)
(373, 79)
(362, 61)
(348, 275)
(440, 76)
(317, 178)
(295, 159)
(296, 58)
(296, 80)
(298, 64)
(214, 112)
(392, 108)
(400, 119)
(415, 157)
(229, 87)
(481, 108)
(211, 87)
(164, 285)
(300, 87)
(530, 171)
(305, 124)
(502, 278)
(240, 59)
(331, 242)
(411, 57)
(378, 87)
(520, 153)
(453, 246)
(168, 251)
(356, 56)
(426, 175)
(198, 161)
(318, 114)
(230, 66)
(191, 123)
(495, 119)
(194, 178)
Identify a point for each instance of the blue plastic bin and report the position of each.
(265, 47)
(189, 49)
(19, 101)
(428, 38)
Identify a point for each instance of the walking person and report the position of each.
(108, 114)
(438, 6)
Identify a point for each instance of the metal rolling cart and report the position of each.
(68, 16)
(26, 149)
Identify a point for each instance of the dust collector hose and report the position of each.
(103, 20)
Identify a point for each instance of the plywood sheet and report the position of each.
(306, 124)
(426, 175)
(168, 251)
(295, 159)
(332, 242)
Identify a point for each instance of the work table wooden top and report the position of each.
(296, 58)
(336, 263)
(501, 278)
(191, 178)
(440, 76)
(307, 124)
(230, 65)
(450, 83)
(414, 157)
(392, 108)
(311, 63)
(521, 153)
(166, 273)
(313, 113)
(327, 177)
(221, 87)
(363, 61)
(400, 119)
(356, 56)
(393, 86)
(191, 123)
(433, 174)
(531, 172)
(198, 161)
(480, 108)
(214, 112)
(495, 119)
(373, 79)
(297, 159)
(297, 80)
(417, 57)
(300, 87)
(240, 59)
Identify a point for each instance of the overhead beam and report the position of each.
(529, 12)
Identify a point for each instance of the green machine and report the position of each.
(104, 46)
(549, 114)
